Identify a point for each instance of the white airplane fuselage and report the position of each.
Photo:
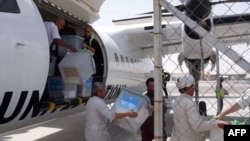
(25, 63)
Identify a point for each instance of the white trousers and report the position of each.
(97, 135)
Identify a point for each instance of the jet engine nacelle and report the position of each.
(194, 49)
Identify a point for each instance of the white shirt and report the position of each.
(188, 124)
(244, 101)
(98, 111)
(98, 114)
(52, 31)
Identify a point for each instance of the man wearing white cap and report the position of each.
(188, 124)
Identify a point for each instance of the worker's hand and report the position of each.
(219, 116)
(132, 114)
(221, 123)
(73, 49)
(84, 45)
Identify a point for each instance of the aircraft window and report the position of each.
(116, 58)
(127, 61)
(9, 6)
(122, 59)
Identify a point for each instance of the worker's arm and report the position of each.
(122, 115)
(88, 47)
(233, 108)
(64, 44)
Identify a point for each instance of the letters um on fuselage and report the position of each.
(34, 103)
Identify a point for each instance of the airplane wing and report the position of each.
(231, 29)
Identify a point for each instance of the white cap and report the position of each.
(185, 81)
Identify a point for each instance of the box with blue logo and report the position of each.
(131, 100)
(87, 87)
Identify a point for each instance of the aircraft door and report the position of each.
(24, 47)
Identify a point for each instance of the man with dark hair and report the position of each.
(188, 123)
(147, 128)
(98, 114)
(91, 43)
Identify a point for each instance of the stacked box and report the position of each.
(87, 87)
(131, 100)
(55, 87)
(52, 66)
(77, 67)
(69, 91)
(73, 40)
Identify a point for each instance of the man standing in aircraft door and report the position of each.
(52, 29)
(91, 43)
(98, 114)
(147, 128)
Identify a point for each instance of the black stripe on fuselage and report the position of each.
(35, 105)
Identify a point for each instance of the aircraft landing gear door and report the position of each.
(24, 47)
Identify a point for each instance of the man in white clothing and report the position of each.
(54, 38)
(188, 123)
(98, 114)
(53, 29)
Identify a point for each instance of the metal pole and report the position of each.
(202, 61)
(158, 109)
(218, 82)
(196, 84)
